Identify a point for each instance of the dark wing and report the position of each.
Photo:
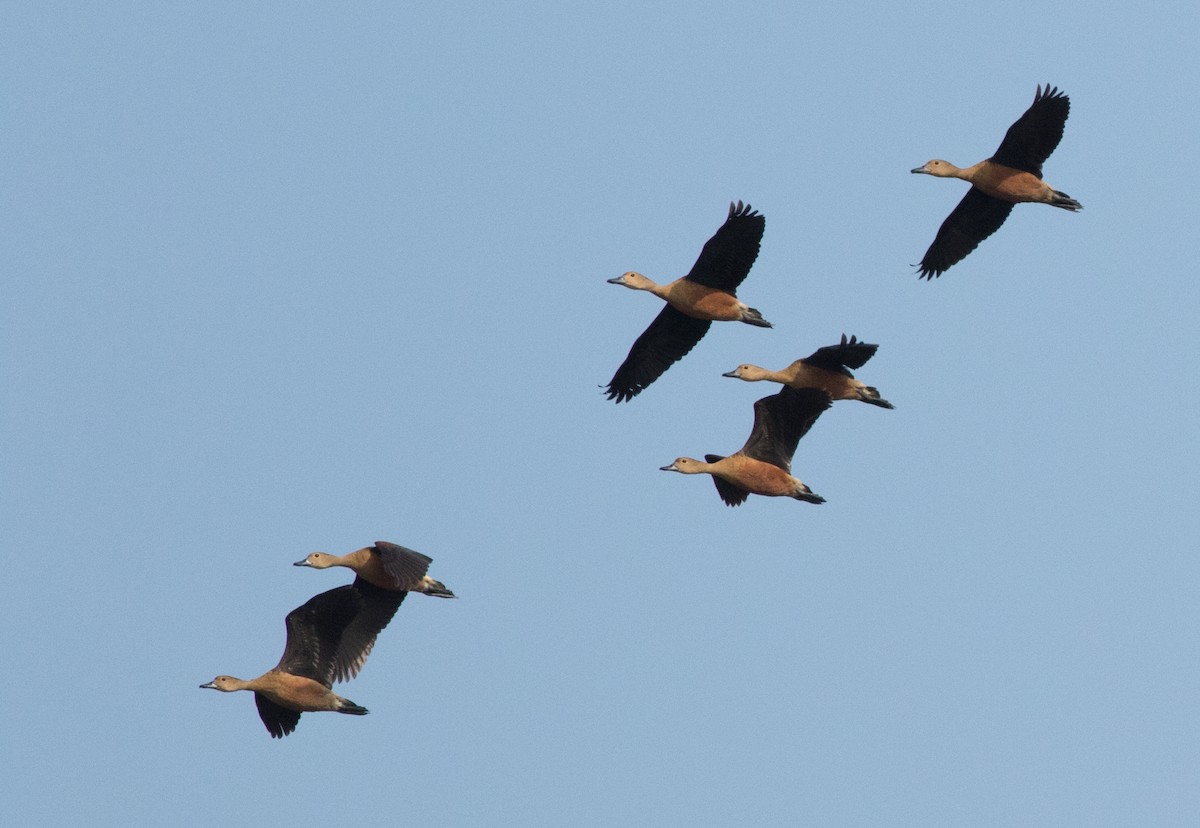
(402, 564)
(358, 639)
(314, 633)
(839, 358)
(670, 336)
(280, 721)
(780, 420)
(732, 494)
(975, 218)
(726, 258)
(1031, 139)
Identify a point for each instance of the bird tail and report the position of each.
(871, 395)
(751, 316)
(435, 588)
(1066, 202)
(347, 706)
(808, 495)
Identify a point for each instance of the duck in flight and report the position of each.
(707, 294)
(302, 681)
(763, 466)
(1011, 176)
(827, 368)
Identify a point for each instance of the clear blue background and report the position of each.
(283, 277)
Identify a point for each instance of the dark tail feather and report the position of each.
(1066, 202)
(437, 589)
(753, 317)
(353, 709)
(809, 497)
(871, 395)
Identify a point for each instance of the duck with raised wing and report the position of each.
(1012, 176)
(763, 466)
(827, 368)
(302, 681)
(707, 294)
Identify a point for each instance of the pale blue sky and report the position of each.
(292, 277)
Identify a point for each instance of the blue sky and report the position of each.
(280, 279)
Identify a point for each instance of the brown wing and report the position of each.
(670, 336)
(402, 564)
(314, 633)
(975, 218)
(731, 493)
(358, 639)
(780, 420)
(840, 358)
(280, 721)
(1033, 136)
(726, 258)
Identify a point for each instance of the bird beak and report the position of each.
(209, 686)
(302, 563)
(732, 373)
(668, 468)
(921, 169)
(620, 280)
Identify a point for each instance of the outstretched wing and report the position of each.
(1031, 139)
(975, 218)
(670, 336)
(358, 639)
(280, 721)
(726, 258)
(314, 633)
(850, 353)
(780, 420)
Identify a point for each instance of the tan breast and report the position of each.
(1010, 185)
(703, 302)
(755, 475)
(839, 386)
(296, 692)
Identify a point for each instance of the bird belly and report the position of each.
(757, 477)
(702, 302)
(1008, 184)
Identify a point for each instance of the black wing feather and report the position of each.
(1033, 136)
(358, 639)
(727, 257)
(975, 218)
(731, 493)
(850, 353)
(670, 336)
(280, 721)
(780, 420)
(405, 566)
(314, 633)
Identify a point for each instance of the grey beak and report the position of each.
(732, 373)
(920, 169)
(620, 280)
(668, 468)
(209, 686)
(302, 563)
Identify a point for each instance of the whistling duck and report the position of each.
(706, 294)
(1011, 176)
(763, 465)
